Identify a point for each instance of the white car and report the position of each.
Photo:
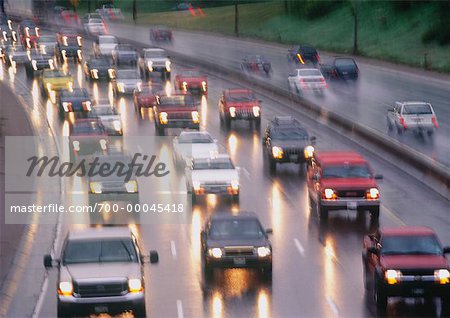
(412, 116)
(155, 60)
(191, 145)
(105, 45)
(95, 26)
(307, 79)
(126, 81)
(215, 175)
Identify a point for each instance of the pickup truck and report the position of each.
(341, 69)
(412, 116)
(105, 45)
(307, 79)
(406, 261)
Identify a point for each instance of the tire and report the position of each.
(399, 130)
(381, 299)
(140, 311)
(322, 211)
(227, 123)
(272, 165)
(160, 131)
(430, 133)
(208, 271)
(375, 213)
(258, 123)
(445, 306)
(235, 198)
(62, 312)
(266, 272)
(389, 125)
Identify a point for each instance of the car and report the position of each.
(239, 104)
(95, 26)
(113, 187)
(126, 81)
(8, 33)
(39, 62)
(191, 145)
(70, 45)
(155, 60)
(55, 80)
(75, 101)
(214, 175)
(307, 79)
(68, 18)
(191, 80)
(109, 117)
(175, 111)
(47, 44)
(146, 96)
(109, 12)
(99, 67)
(86, 137)
(161, 34)
(256, 64)
(342, 180)
(100, 270)
(341, 69)
(406, 261)
(29, 33)
(413, 116)
(92, 15)
(15, 55)
(285, 140)
(303, 54)
(235, 241)
(125, 55)
(105, 45)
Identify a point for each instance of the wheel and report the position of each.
(381, 299)
(267, 272)
(389, 125)
(227, 123)
(399, 130)
(430, 132)
(63, 312)
(445, 306)
(139, 311)
(235, 198)
(258, 123)
(208, 270)
(160, 130)
(323, 212)
(375, 213)
(272, 165)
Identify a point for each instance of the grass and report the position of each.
(383, 33)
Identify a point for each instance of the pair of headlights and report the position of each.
(262, 251)
(65, 288)
(441, 276)
(97, 188)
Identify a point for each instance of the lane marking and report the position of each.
(173, 249)
(180, 309)
(332, 305)
(247, 173)
(393, 216)
(300, 247)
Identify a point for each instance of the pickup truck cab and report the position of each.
(100, 270)
(307, 79)
(340, 69)
(239, 104)
(342, 181)
(412, 116)
(406, 261)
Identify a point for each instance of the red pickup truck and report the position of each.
(239, 104)
(175, 111)
(342, 181)
(406, 261)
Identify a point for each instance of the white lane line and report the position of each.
(393, 216)
(140, 149)
(332, 305)
(173, 249)
(247, 173)
(180, 309)
(300, 247)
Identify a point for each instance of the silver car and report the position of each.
(100, 271)
(127, 80)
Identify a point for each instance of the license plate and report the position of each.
(352, 205)
(417, 119)
(418, 291)
(101, 309)
(293, 157)
(239, 261)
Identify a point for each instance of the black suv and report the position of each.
(287, 141)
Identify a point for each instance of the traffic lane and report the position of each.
(359, 103)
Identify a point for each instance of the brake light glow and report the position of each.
(434, 121)
(402, 122)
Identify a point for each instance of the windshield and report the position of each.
(91, 127)
(241, 97)
(54, 74)
(108, 40)
(417, 244)
(99, 62)
(236, 229)
(213, 164)
(309, 73)
(104, 110)
(308, 50)
(178, 100)
(157, 53)
(420, 109)
(95, 21)
(76, 93)
(127, 74)
(346, 171)
(345, 63)
(289, 134)
(195, 138)
(99, 251)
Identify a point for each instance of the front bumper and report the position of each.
(416, 289)
(350, 204)
(292, 158)
(240, 262)
(180, 124)
(216, 189)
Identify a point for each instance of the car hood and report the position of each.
(100, 270)
(192, 79)
(289, 143)
(413, 262)
(107, 47)
(349, 183)
(256, 242)
(215, 175)
(197, 150)
(128, 81)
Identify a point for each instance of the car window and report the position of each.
(346, 171)
(195, 138)
(178, 100)
(236, 229)
(289, 134)
(241, 97)
(213, 164)
(91, 127)
(419, 109)
(309, 73)
(410, 244)
(348, 63)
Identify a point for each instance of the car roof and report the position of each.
(99, 233)
(339, 157)
(239, 216)
(285, 121)
(413, 103)
(153, 49)
(407, 230)
(215, 157)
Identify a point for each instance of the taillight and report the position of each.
(317, 58)
(434, 121)
(402, 122)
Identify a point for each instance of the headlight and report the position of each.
(277, 152)
(139, 86)
(34, 63)
(392, 276)
(27, 31)
(168, 63)
(76, 145)
(195, 117)
(215, 252)
(49, 87)
(442, 276)
(96, 187)
(256, 111)
(184, 86)
(232, 111)
(80, 41)
(14, 36)
(308, 152)
(121, 87)
(67, 108)
(51, 64)
(65, 288)
(235, 184)
(87, 105)
(36, 29)
(65, 41)
(42, 47)
(131, 186)
(111, 73)
(163, 118)
(103, 144)
(94, 73)
(263, 251)
(117, 125)
(196, 185)
(64, 55)
(150, 66)
(28, 43)
(135, 285)
(80, 57)
(373, 194)
(204, 86)
(329, 194)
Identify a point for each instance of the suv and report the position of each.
(100, 270)
(287, 141)
(406, 261)
(241, 104)
(412, 116)
(342, 181)
(303, 54)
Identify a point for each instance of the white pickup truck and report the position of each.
(307, 79)
(412, 116)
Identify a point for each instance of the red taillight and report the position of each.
(434, 121)
(402, 122)
(317, 57)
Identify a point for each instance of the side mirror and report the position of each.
(372, 250)
(446, 250)
(378, 177)
(154, 257)
(269, 231)
(48, 261)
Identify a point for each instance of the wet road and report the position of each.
(366, 102)
(317, 268)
